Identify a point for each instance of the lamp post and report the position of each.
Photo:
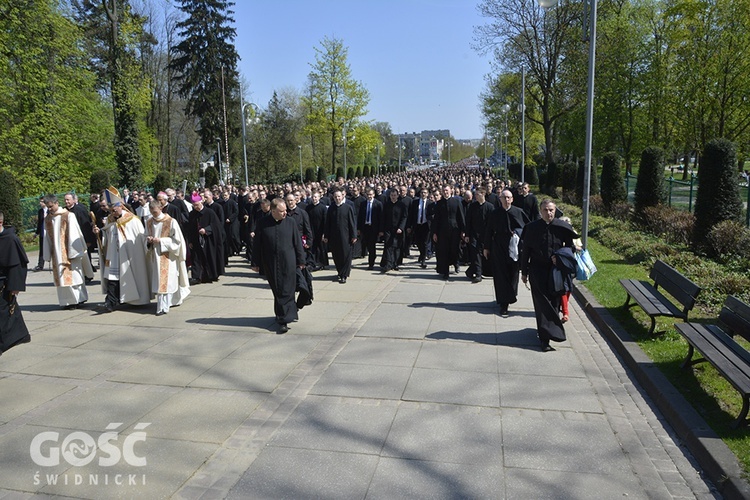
(399, 153)
(301, 180)
(522, 109)
(504, 150)
(449, 152)
(218, 156)
(345, 127)
(589, 7)
(243, 107)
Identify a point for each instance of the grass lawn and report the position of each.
(709, 393)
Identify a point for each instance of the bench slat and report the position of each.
(651, 300)
(736, 315)
(674, 283)
(721, 351)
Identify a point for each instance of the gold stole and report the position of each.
(166, 228)
(58, 260)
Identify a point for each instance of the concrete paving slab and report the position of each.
(243, 375)
(553, 485)
(534, 362)
(133, 340)
(205, 416)
(95, 409)
(324, 423)
(70, 334)
(378, 351)
(169, 464)
(78, 363)
(20, 396)
(548, 393)
(295, 473)
(17, 466)
(162, 369)
(276, 348)
(395, 321)
(458, 356)
(549, 443)
(363, 381)
(454, 387)
(433, 436)
(26, 355)
(201, 343)
(430, 480)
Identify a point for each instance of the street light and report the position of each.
(301, 181)
(522, 109)
(400, 148)
(218, 156)
(589, 7)
(504, 109)
(254, 119)
(344, 132)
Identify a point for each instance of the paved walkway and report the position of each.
(390, 386)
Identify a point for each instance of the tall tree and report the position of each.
(205, 65)
(519, 33)
(336, 101)
(55, 125)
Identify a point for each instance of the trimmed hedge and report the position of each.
(650, 188)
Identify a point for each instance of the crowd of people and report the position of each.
(157, 245)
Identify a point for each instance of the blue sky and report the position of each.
(414, 56)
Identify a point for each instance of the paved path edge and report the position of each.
(714, 456)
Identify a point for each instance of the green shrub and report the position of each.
(162, 181)
(309, 174)
(212, 177)
(613, 185)
(101, 179)
(322, 174)
(593, 181)
(568, 181)
(718, 197)
(675, 226)
(728, 240)
(339, 172)
(10, 204)
(650, 187)
(350, 173)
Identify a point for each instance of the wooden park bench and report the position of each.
(719, 348)
(653, 302)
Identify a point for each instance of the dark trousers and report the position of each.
(422, 239)
(113, 294)
(475, 249)
(40, 262)
(369, 239)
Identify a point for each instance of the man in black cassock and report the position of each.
(278, 252)
(13, 262)
(204, 241)
(394, 227)
(447, 227)
(209, 202)
(298, 215)
(504, 222)
(541, 239)
(231, 226)
(526, 201)
(341, 234)
(316, 210)
(369, 225)
(477, 218)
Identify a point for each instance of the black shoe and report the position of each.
(477, 279)
(70, 306)
(104, 309)
(445, 276)
(342, 280)
(396, 268)
(283, 328)
(38, 268)
(370, 268)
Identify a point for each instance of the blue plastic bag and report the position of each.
(585, 267)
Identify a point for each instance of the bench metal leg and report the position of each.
(627, 301)
(653, 325)
(742, 419)
(688, 361)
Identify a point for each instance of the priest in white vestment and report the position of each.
(65, 248)
(123, 254)
(166, 252)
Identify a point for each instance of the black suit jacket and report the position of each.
(376, 217)
(414, 212)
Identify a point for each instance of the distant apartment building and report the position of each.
(424, 146)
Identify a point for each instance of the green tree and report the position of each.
(650, 188)
(55, 125)
(335, 100)
(613, 186)
(10, 204)
(520, 33)
(718, 197)
(205, 66)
